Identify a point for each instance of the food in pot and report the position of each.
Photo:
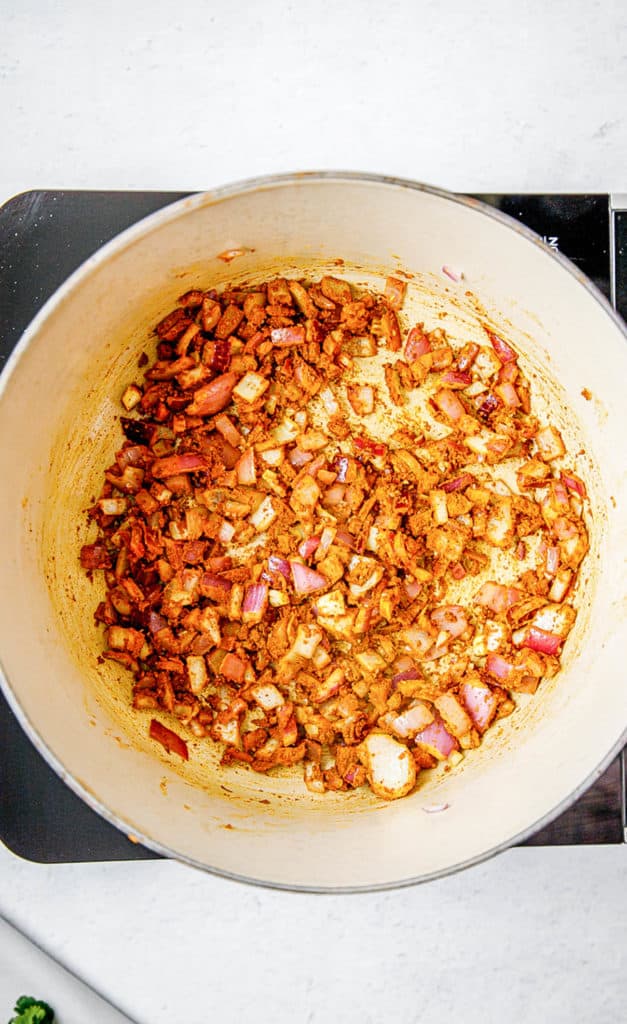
(331, 538)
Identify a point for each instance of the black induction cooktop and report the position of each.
(44, 236)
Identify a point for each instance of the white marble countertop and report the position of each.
(474, 97)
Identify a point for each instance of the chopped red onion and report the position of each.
(436, 808)
(255, 602)
(480, 703)
(334, 495)
(417, 344)
(573, 483)
(278, 564)
(502, 349)
(306, 580)
(452, 273)
(298, 458)
(540, 640)
(307, 547)
(498, 666)
(437, 739)
(458, 483)
(457, 378)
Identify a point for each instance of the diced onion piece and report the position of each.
(212, 397)
(278, 598)
(437, 500)
(412, 588)
(450, 618)
(215, 587)
(113, 506)
(287, 336)
(560, 585)
(308, 547)
(331, 604)
(390, 768)
(298, 459)
(409, 722)
(168, 739)
(267, 696)
(448, 403)
(230, 254)
(327, 688)
(305, 494)
(455, 717)
(363, 574)
(497, 597)
(264, 516)
(361, 397)
(550, 443)
(417, 344)
(371, 661)
(487, 364)
(555, 618)
(251, 387)
(245, 469)
(345, 538)
(498, 666)
(457, 379)
(395, 292)
(537, 640)
(552, 559)
(228, 430)
(174, 465)
(233, 668)
(489, 444)
(334, 495)
(306, 580)
(329, 401)
(255, 603)
(480, 704)
(196, 673)
(452, 273)
(406, 674)
(286, 431)
(307, 640)
(437, 740)
(467, 356)
(272, 456)
(278, 564)
(326, 539)
(417, 640)
(574, 484)
(508, 395)
(458, 484)
(226, 532)
(131, 397)
(504, 352)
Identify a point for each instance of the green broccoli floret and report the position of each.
(32, 1011)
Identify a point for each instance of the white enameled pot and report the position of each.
(58, 407)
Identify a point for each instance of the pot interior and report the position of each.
(61, 403)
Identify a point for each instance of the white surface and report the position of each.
(483, 96)
(27, 971)
(535, 936)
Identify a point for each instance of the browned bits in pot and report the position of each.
(283, 583)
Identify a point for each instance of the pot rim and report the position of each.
(145, 226)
